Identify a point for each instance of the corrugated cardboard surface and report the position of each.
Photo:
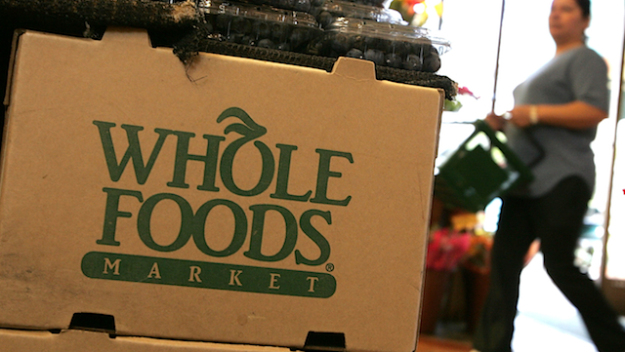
(157, 247)
(81, 341)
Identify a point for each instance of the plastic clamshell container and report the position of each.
(481, 169)
(330, 10)
(386, 44)
(294, 5)
(260, 26)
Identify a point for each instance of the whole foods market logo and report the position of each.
(208, 274)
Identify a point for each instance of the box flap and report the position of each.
(354, 68)
(127, 37)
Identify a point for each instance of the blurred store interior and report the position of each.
(546, 320)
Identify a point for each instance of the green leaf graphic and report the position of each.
(248, 129)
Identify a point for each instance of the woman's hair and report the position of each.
(585, 6)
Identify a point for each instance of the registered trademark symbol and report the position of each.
(329, 267)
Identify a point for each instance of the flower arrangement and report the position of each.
(419, 13)
(446, 248)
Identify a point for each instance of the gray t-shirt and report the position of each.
(578, 74)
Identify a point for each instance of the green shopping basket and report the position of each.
(481, 169)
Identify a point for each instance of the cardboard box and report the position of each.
(235, 201)
(81, 341)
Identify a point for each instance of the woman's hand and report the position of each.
(496, 122)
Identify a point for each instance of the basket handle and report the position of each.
(481, 125)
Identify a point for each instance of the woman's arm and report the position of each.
(574, 115)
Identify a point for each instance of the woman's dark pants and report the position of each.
(556, 219)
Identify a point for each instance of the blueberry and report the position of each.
(376, 56)
(248, 40)
(302, 5)
(432, 51)
(431, 59)
(317, 3)
(325, 19)
(341, 43)
(358, 42)
(355, 53)
(413, 62)
(262, 29)
(266, 43)
(393, 60)
(279, 32)
(299, 37)
(431, 63)
(241, 25)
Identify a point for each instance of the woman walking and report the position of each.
(558, 108)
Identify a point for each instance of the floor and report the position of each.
(546, 322)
